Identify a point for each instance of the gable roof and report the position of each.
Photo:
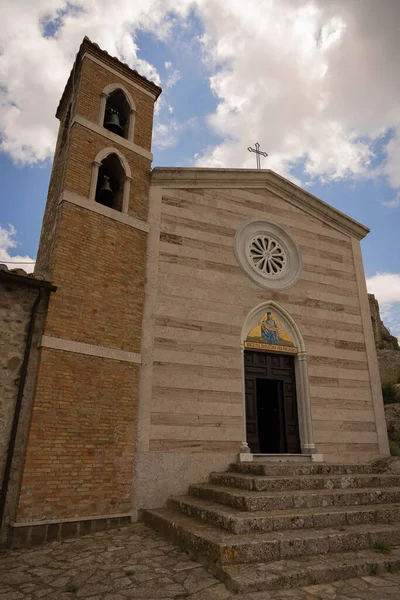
(187, 177)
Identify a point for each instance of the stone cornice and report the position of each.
(113, 137)
(126, 219)
(90, 349)
(173, 177)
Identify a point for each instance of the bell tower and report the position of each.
(79, 460)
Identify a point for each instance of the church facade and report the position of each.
(201, 316)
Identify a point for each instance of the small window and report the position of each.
(110, 183)
(117, 114)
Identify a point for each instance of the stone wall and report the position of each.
(16, 301)
(198, 362)
(201, 299)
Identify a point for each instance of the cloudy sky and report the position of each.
(315, 82)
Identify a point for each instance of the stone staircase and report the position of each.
(274, 525)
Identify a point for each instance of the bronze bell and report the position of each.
(112, 122)
(105, 194)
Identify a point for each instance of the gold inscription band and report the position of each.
(271, 348)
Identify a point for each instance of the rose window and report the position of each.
(266, 256)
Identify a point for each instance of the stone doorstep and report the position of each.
(255, 501)
(288, 469)
(308, 571)
(303, 482)
(283, 458)
(238, 522)
(218, 546)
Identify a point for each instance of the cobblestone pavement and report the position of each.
(134, 562)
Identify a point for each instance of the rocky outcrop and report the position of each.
(392, 412)
(387, 345)
(382, 335)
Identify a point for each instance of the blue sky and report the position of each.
(316, 83)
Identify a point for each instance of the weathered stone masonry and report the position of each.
(18, 293)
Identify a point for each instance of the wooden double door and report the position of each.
(271, 405)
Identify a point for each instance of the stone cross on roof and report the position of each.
(258, 153)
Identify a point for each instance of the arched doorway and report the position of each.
(276, 391)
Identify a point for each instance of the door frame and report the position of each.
(283, 376)
(300, 368)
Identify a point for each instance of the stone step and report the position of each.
(218, 546)
(283, 458)
(274, 469)
(255, 501)
(238, 522)
(310, 570)
(281, 483)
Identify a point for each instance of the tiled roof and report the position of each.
(21, 276)
(20, 272)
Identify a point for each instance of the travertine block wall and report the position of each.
(203, 299)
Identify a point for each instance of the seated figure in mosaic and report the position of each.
(269, 330)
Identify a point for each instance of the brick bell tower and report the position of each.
(79, 463)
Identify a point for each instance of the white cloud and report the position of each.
(173, 78)
(311, 80)
(386, 288)
(35, 68)
(393, 203)
(165, 134)
(315, 81)
(7, 244)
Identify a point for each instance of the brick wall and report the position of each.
(100, 272)
(94, 79)
(49, 225)
(80, 451)
(84, 146)
(76, 148)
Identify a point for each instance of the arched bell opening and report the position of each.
(110, 183)
(117, 114)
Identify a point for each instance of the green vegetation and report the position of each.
(72, 588)
(394, 448)
(372, 569)
(389, 393)
(382, 547)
